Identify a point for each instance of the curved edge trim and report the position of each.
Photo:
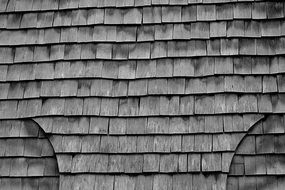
(264, 117)
(47, 137)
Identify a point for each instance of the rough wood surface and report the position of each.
(142, 94)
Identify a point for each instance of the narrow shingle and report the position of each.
(194, 162)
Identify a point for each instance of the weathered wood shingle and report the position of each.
(152, 94)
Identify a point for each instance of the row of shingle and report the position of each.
(258, 165)
(23, 183)
(146, 144)
(198, 30)
(272, 125)
(121, 88)
(146, 50)
(22, 167)
(147, 163)
(27, 147)
(207, 11)
(149, 15)
(144, 106)
(255, 182)
(262, 144)
(161, 68)
(138, 182)
(11, 6)
(16, 128)
(153, 125)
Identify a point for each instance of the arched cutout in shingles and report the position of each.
(259, 160)
(27, 159)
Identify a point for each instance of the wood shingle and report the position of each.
(152, 94)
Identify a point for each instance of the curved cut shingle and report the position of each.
(259, 162)
(27, 158)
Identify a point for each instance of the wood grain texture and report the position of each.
(142, 94)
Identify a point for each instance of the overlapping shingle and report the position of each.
(134, 93)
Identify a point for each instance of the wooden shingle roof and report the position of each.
(145, 94)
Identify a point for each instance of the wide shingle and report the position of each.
(171, 14)
(168, 163)
(126, 33)
(242, 10)
(145, 33)
(271, 28)
(139, 51)
(183, 67)
(109, 69)
(145, 69)
(224, 12)
(95, 16)
(259, 10)
(109, 107)
(14, 20)
(177, 49)
(113, 16)
(138, 87)
(162, 181)
(200, 30)
(53, 106)
(252, 29)
(152, 14)
(120, 88)
(163, 32)
(151, 162)
(158, 49)
(211, 162)
(218, 29)
(188, 144)
(164, 68)
(275, 10)
(178, 125)
(29, 20)
(189, 13)
(19, 167)
(182, 31)
(73, 106)
(206, 12)
(132, 16)
(157, 125)
(129, 106)
(9, 55)
(127, 70)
